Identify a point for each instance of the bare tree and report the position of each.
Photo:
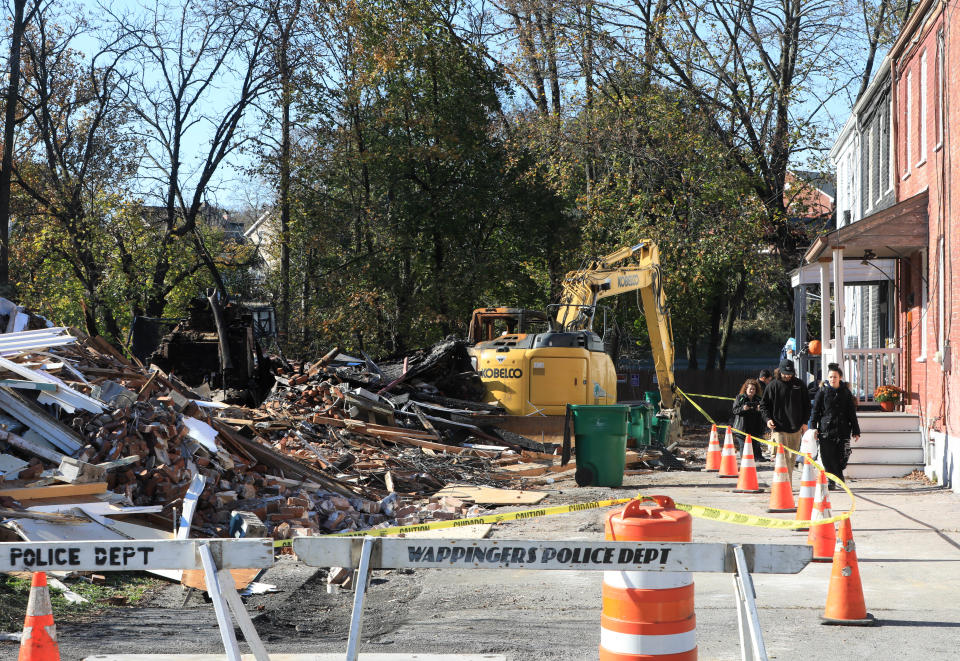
(21, 18)
(284, 17)
(199, 68)
(74, 151)
(882, 21)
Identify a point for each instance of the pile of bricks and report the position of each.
(298, 463)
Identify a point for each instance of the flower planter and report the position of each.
(888, 406)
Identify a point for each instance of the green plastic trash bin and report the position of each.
(662, 431)
(653, 397)
(638, 433)
(601, 444)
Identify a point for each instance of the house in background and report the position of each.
(863, 315)
(897, 217)
(809, 197)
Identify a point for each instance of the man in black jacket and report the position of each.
(835, 419)
(786, 407)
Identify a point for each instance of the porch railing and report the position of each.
(865, 369)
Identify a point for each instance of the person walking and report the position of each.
(765, 378)
(785, 406)
(834, 417)
(748, 419)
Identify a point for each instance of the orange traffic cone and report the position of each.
(713, 451)
(39, 639)
(748, 470)
(845, 596)
(822, 537)
(781, 492)
(808, 487)
(728, 458)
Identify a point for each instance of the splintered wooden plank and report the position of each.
(492, 496)
(525, 470)
(196, 578)
(54, 491)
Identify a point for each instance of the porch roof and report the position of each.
(892, 232)
(855, 272)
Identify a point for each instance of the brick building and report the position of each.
(897, 214)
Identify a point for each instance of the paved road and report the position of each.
(907, 540)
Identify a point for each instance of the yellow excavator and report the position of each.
(540, 373)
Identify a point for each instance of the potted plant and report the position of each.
(888, 396)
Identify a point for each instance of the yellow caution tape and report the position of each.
(476, 520)
(685, 394)
(830, 476)
(699, 511)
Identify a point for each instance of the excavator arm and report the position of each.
(583, 289)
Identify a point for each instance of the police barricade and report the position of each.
(214, 556)
(364, 554)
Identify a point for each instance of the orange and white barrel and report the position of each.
(648, 614)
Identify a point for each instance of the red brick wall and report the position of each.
(925, 378)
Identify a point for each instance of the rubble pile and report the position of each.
(340, 444)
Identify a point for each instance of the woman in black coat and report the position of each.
(747, 417)
(834, 417)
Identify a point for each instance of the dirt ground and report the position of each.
(554, 615)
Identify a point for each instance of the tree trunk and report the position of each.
(733, 310)
(9, 123)
(286, 102)
(715, 316)
(692, 353)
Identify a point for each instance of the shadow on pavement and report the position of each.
(917, 623)
(939, 532)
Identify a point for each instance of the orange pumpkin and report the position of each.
(814, 347)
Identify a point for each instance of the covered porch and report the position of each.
(856, 265)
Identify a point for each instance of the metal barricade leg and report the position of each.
(229, 589)
(219, 604)
(751, 637)
(356, 619)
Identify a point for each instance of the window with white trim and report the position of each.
(941, 297)
(891, 146)
(922, 124)
(924, 303)
(940, 89)
(908, 106)
(868, 157)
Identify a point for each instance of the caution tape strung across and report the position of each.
(699, 511)
(729, 399)
(830, 476)
(476, 520)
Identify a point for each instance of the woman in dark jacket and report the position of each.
(747, 417)
(834, 417)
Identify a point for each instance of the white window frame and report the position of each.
(891, 151)
(940, 91)
(941, 297)
(909, 122)
(924, 304)
(868, 187)
(922, 124)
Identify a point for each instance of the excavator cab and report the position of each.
(540, 372)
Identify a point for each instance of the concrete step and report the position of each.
(882, 421)
(889, 439)
(877, 470)
(887, 455)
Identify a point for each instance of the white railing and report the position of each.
(865, 369)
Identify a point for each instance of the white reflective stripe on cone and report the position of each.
(647, 580)
(628, 643)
